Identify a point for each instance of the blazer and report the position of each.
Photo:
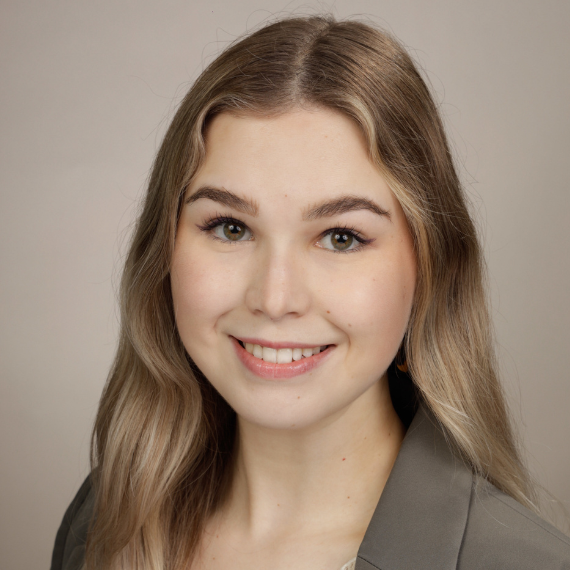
(434, 514)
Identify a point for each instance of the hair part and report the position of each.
(163, 438)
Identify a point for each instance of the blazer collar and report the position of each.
(420, 519)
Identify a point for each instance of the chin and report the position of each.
(286, 420)
(292, 407)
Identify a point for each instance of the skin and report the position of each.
(314, 451)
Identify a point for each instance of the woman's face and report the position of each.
(290, 239)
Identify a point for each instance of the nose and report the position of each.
(278, 285)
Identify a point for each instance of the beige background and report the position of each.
(86, 91)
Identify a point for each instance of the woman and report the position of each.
(305, 376)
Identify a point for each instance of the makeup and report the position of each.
(280, 371)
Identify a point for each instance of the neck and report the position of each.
(291, 481)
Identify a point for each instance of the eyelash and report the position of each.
(209, 225)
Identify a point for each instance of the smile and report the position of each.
(268, 362)
(280, 355)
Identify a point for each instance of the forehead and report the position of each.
(304, 150)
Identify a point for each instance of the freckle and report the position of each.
(298, 397)
(278, 505)
(285, 195)
(348, 497)
(328, 312)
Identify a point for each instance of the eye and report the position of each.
(343, 240)
(230, 230)
(226, 229)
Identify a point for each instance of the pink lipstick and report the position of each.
(272, 370)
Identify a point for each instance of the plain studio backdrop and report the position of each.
(87, 89)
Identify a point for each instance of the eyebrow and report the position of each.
(342, 204)
(225, 197)
(325, 209)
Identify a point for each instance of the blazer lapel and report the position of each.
(420, 519)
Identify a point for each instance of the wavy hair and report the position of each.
(163, 437)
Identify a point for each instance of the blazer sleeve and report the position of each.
(69, 548)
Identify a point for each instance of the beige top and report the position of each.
(350, 565)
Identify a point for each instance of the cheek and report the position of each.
(203, 289)
(376, 306)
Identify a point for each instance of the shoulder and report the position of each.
(69, 548)
(501, 534)
(435, 513)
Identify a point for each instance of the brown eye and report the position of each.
(341, 241)
(226, 229)
(344, 240)
(233, 231)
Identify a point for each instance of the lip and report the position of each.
(277, 345)
(276, 371)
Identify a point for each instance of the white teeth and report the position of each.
(282, 355)
(269, 354)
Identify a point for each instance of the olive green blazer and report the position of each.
(434, 514)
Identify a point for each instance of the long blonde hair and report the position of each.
(163, 438)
